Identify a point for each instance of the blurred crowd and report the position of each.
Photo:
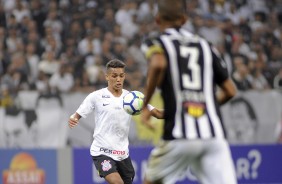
(61, 46)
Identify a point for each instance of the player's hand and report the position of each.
(72, 121)
(145, 118)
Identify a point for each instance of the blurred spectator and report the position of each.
(88, 26)
(14, 81)
(2, 36)
(239, 46)
(108, 22)
(27, 25)
(107, 54)
(33, 62)
(259, 82)
(210, 31)
(89, 44)
(70, 54)
(49, 64)
(2, 17)
(51, 41)
(123, 14)
(83, 83)
(75, 31)
(94, 69)
(277, 82)
(241, 75)
(20, 11)
(19, 71)
(100, 81)
(118, 36)
(119, 50)
(134, 51)
(233, 13)
(54, 23)
(42, 83)
(130, 29)
(146, 11)
(11, 21)
(13, 41)
(61, 81)
(38, 15)
(34, 38)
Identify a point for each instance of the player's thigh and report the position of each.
(216, 166)
(104, 165)
(126, 170)
(114, 178)
(166, 162)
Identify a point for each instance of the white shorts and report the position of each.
(210, 161)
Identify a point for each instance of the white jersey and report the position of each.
(111, 123)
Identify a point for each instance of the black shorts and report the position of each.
(106, 165)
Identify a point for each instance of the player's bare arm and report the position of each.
(158, 113)
(73, 120)
(157, 65)
(228, 91)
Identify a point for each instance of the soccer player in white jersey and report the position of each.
(109, 149)
(187, 69)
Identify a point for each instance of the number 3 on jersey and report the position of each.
(192, 81)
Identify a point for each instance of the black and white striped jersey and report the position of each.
(188, 89)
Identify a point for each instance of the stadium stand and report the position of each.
(39, 37)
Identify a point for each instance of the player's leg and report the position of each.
(114, 178)
(126, 170)
(167, 162)
(107, 169)
(216, 166)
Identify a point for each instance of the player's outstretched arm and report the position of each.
(73, 120)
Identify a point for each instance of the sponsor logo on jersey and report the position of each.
(195, 109)
(113, 152)
(106, 96)
(106, 165)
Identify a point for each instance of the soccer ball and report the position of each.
(133, 102)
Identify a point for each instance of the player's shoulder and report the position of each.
(150, 40)
(151, 44)
(98, 93)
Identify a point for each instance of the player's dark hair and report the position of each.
(171, 10)
(115, 63)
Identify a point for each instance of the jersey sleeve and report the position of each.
(150, 47)
(87, 106)
(219, 67)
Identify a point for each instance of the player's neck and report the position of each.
(115, 92)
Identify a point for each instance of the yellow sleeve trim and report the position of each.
(153, 50)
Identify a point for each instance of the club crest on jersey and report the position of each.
(106, 165)
(195, 109)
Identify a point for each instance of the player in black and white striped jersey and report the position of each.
(187, 69)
